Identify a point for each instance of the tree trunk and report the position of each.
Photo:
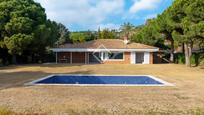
(183, 49)
(14, 59)
(187, 56)
(172, 52)
(190, 51)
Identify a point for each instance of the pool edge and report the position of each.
(164, 83)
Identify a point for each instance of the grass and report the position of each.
(134, 112)
(187, 97)
(4, 111)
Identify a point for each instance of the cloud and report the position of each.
(102, 26)
(110, 26)
(81, 12)
(140, 5)
(79, 15)
(150, 16)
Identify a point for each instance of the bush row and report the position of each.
(196, 59)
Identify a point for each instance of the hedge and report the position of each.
(196, 59)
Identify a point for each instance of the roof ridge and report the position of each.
(109, 43)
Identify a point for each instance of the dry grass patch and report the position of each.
(186, 96)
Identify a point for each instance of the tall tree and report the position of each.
(77, 37)
(63, 34)
(17, 44)
(149, 34)
(46, 35)
(127, 30)
(90, 35)
(188, 18)
(99, 33)
(18, 20)
(107, 34)
(165, 27)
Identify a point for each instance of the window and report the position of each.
(115, 55)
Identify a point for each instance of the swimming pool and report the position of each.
(100, 80)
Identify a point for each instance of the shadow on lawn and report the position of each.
(52, 65)
(59, 65)
(10, 67)
(18, 79)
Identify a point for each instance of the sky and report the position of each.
(80, 15)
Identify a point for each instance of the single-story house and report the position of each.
(105, 51)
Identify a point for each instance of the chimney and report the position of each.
(125, 40)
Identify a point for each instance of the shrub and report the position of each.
(201, 60)
(201, 57)
(202, 64)
(180, 58)
(1, 62)
(194, 59)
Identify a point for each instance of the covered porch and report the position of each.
(105, 57)
(88, 57)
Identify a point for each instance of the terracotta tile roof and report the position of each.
(107, 43)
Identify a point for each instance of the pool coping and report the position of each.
(164, 83)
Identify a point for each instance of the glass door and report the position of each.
(139, 57)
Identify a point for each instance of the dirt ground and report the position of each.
(187, 94)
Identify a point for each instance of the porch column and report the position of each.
(132, 58)
(151, 58)
(56, 56)
(146, 58)
(70, 57)
(102, 56)
(88, 57)
(85, 57)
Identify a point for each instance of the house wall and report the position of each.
(126, 60)
(158, 59)
(78, 57)
(151, 61)
(63, 57)
(71, 57)
(82, 57)
(146, 58)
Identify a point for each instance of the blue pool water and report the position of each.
(87, 79)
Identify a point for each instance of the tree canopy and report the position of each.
(148, 34)
(183, 23)
(79, 37)
(187, 17)
(127, 30)
(24, 27)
